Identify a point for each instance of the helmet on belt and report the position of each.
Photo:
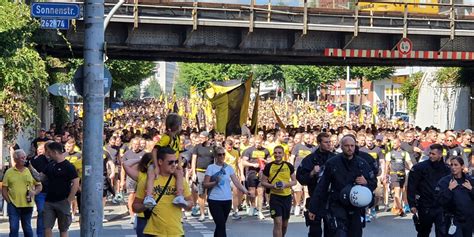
(357, 195)
(360, 196)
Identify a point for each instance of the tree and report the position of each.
(370, 74)
(22, 71)
(310, 77)
(131, 93)
(200, 74)
(153, 89)
(410, 90)
(127, 73)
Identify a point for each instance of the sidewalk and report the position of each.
(112, 213)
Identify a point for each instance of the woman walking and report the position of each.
(217, 181)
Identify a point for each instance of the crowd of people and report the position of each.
(163, 164)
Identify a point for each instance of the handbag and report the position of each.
(214, 177)
(267, 190)
(148, 212)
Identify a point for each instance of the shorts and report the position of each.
(131, 185)
(252, 180)
(200, 180)
(397, 181)
(298, 187)
(60, 210)
(280, 206)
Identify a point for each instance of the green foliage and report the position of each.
(303, 77)
(410, 89)
(131, 93)
(268, 73)
(200, 74)
(127, 73)
(371, 73)
(153, 89)
(448, 76)
(22, 70)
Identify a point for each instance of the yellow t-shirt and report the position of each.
(284, 176)
(17, 183)
(232, 158)
(166, 140)
(286, 150)
(141, 187)
(166, 218)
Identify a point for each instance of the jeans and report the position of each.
(220, 211)
(141, 223)
(39, 200)
(17, 214)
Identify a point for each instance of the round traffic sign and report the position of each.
(79, 80)
(405, 46)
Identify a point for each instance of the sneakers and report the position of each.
(179, 201)
(297, 210)
(118, 198)
(249, 211)
(195, 211)
(235, 216)
(406, 209)
(261, 216)
(368, 218)
(209, 214)
(149, 202)
(202, 218)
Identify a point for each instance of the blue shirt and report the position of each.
(222, 191)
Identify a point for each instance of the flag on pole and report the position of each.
(280, 123)
(254, 123)
(230, 100)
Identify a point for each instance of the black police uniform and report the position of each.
(373, 163)
(458, 204)
(340, 173)
(303, 176)
(422, 181)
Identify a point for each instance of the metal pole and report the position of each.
(348, 79)
(71, 108)
(92, 181)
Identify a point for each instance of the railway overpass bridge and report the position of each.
(231, 33)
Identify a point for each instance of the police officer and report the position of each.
(422, 180)
(341, 173)
(455, 194)
(308, 174)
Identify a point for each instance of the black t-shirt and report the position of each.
(40, 163)
(255, 156)
(59, 176)
(205, 156)
(113, 152)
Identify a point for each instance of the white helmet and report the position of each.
(360, 196)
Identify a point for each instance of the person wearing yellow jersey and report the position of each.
(282, 140)
(279, 176)
(17, 191)
(74, 158)
(136, 169)
(165, 220)
(170, 139)
(232, 159)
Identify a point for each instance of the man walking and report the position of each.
(279, 176)
(63, 177)
(422, 181)
(17, 190)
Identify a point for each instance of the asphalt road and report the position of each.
(385, 225)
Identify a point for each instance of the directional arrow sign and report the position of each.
(55, 10)
(61, 89)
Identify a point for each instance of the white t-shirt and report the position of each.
(222, 191)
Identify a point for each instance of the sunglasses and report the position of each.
(173, 162)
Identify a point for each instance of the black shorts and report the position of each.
(280, 206)
(397, 181)
(252, 180)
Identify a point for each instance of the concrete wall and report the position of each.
(445, 107)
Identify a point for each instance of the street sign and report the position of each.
(55, 10)
(405, 46)
(62, 24)
(79, 80)
(352, 84)
(61, 89)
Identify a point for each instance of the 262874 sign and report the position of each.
(55, 24)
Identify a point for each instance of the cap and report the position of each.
(204, 134)
(43, 129)
(379, 137)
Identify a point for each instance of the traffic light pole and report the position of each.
(92, 180)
